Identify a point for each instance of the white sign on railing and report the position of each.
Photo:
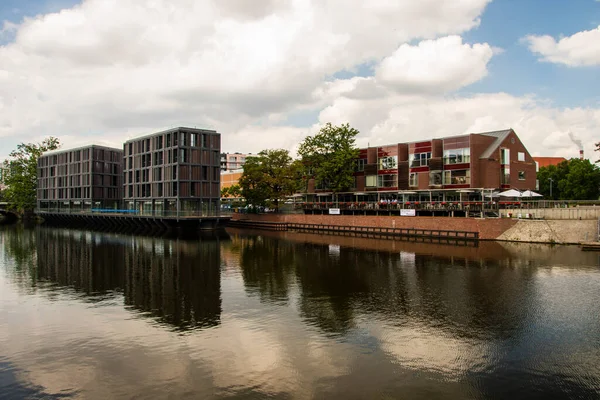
(334, 211)
(408, 213)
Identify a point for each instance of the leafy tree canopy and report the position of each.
(268, 178)
(574, 179)
(21, 176)
(231, 191)
(330, 155)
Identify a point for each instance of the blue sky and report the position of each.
(267, 108)
(517, 70)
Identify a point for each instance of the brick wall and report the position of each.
(489, 229)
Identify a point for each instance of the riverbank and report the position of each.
(501, 229)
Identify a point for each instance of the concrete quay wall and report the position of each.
(573, 213)
(502, 229)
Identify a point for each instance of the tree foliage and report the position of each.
(231, 191)
(330, 156)
(268, 178)
(574, 179)
(597, 149)
(21, 176)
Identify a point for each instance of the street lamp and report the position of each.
(551, 180)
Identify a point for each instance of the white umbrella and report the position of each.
(531, 193)
(510, 193)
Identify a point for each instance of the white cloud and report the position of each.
(580, 49)
(397, 118)
(107, 70)
(114, 67)
(440, 65)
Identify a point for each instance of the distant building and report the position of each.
(176, 170)
(547, 161)
(84, 178)
(233, 161)
(450, 168)
(230, 178)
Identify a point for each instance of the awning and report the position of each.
(324, 194)
(530, 193)
(510, 193)
(465, 191)
(407, 192)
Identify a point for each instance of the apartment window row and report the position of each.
(181, 155)
(388, 162)
(174, 139)
(457, 156)
(172, 189)
(419, 159)
(437, 178)
(359, 165)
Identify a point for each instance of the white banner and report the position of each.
(408, 213)
(334, 211)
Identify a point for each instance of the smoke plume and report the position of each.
(575, 140)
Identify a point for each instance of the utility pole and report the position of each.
(551, 180)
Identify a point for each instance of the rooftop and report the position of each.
(171, 130)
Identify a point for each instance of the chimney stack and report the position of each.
(581, 154)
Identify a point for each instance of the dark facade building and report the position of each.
(174, 171)
(84, 178)
(450, 168)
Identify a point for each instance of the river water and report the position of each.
(294, 316)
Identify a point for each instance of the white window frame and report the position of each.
(371, 181)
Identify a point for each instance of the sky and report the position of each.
(267, 73)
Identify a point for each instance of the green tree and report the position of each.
(268, 178)
(21, 176)
(234, 191)
(329, 157)
(574, 179)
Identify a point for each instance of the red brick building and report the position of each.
(548, 161)
(447, 168)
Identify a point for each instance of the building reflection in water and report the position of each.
(177, 282)
(336, 283)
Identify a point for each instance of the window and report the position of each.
(389, 162)
(194, 139)
(174, 172)
(521, 175)
(457, 177)
(359, 165)
(168, 140)
(413, 180)
(371, 181)
(521, 156)
(435, 178)
(387, 181)
(457, 156)
(504, 156)
(419, 160)
(505, 175)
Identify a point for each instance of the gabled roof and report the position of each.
(500, 137)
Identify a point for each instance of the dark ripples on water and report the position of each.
(281, 315)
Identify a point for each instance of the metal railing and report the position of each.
(448, 205)
(136, 213)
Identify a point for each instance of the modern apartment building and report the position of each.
(174, 171)
(233, 161)
(84, 178)
(446, 168)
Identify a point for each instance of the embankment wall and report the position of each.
(504, 229)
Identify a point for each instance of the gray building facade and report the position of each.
(80, 179)
(173, 172)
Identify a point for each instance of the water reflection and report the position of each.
(177, 282)
(280, 315)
